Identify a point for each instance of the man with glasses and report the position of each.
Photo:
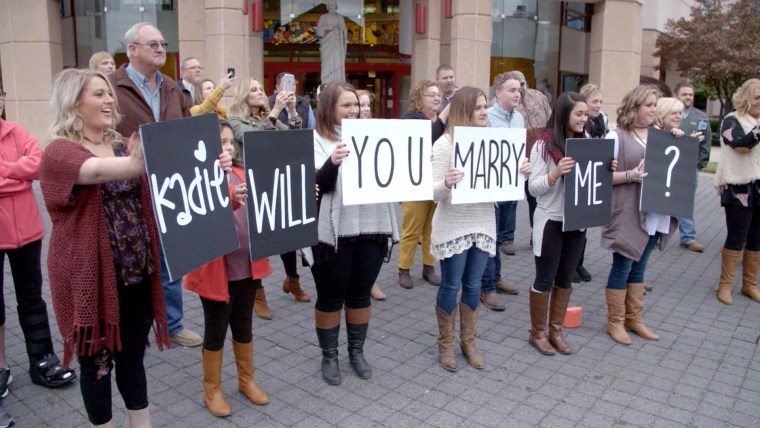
(145, 95)
(192, 71)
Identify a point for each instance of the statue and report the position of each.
(332, 33)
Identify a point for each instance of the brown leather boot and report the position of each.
(260, 304)
(404, 278)
(446, 330)
(212, 383)
(293, 285)
(729, 263)
(557, 309)
(750, 266)
(246, 381)
(616, 315)
(468, 331)
(634, 306)
(538, 307)
(429, 275)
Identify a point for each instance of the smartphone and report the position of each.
(230, 72)
(702, 125)
(288, 83)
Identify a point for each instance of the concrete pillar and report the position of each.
(31, 54)
(191, 16)
(615, 52)
(471, 38)
(426, 48)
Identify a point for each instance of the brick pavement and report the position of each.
(703, 372)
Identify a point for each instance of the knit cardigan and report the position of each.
(211, 105)
(457, 227)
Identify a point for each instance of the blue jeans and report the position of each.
(492, 272)
(686, 228)
(626, 271)
(505, 222)
(465, 269)
(173, 296)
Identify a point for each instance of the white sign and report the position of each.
(389, 161)
(490, 159)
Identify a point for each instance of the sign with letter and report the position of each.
(282, 206)
(490, 159)
(671, 164)
(191, 199)
(389, 161)
(588, 186)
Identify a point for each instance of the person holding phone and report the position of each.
(208, 96)
(696, 124)
(298, 110)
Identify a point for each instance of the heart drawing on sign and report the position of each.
(200, 152)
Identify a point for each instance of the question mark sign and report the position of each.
(672, 164)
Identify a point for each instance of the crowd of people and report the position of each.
(108, 278)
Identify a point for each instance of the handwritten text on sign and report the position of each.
(191, 199)
(490, 159)
(672, 177)
(282, 208)
(389, 161)
(588, 187)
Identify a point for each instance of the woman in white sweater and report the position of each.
(463, 237)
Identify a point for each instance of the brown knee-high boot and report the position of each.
(750, 266)
(728, 265)
(634, 306)
(328, 328)
(446, 330)
(538, 307)
(468, 331)
(212, 383)
(557, 309)
(357, 322)
(616, 315)
(246, 381)
(260, 304)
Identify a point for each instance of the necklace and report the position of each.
(97, 143)
(638, 137)
(640, 127)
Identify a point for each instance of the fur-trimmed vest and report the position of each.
(735, 167)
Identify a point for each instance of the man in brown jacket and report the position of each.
(145, 95)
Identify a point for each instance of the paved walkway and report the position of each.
(705, 370)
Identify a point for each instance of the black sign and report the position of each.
(672, 176)
(191, 199)
(282, 207)
(588, 186)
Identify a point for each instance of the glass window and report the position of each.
(577, 15)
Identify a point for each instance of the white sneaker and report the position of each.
(187, 338)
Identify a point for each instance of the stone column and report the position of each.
(426, 48)
(30, 48)
(471, 38)
(191, 16)
(615, 51)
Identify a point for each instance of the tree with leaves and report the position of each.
(717, 46)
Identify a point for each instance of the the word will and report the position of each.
(282, 196)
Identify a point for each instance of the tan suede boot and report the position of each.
(557, 309)
(750, 266)
(246, 381)
(468, 332)
(293, 285)
(260, 304)
(538, 307)
(729, 263)
(634, 307)
(212, 383)
(616, 315)
(138, 419)
(446, 330)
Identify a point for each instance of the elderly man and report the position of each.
(145, 96)
(191, 71)
(446, 82)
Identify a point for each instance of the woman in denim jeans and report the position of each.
(463, 237)
(631, 234)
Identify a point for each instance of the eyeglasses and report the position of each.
(433, 95)
(195, 67)
(2, 95)
(153, 44)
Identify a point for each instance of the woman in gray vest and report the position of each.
(631, 234)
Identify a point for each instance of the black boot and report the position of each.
(328, 341)
(356, 334)
(44, 366)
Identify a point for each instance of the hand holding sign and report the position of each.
(452, 177)
(341, 152)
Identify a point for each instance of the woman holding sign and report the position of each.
(463, 237)
(103, 262)
(632, 235)
(227, 286)
(353, 241)
(557, 252)
(738, 179)
(250, 112)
